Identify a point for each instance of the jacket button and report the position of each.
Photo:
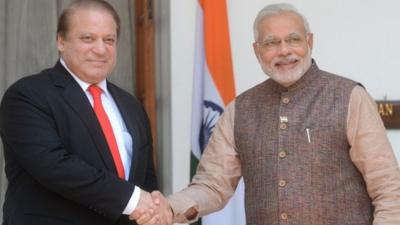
(285, 100)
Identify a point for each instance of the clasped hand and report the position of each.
(152, 209)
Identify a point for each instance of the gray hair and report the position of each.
(277, 9)
(63, 25)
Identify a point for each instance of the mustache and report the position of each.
(286, 59)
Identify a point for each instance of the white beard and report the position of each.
(287, 77)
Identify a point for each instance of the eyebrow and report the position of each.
(93, 34)
(271, 37)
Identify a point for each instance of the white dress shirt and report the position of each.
(122, 136)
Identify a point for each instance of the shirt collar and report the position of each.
(83, 84)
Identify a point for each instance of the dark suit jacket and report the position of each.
(58, 164)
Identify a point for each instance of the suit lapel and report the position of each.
(77, 99)
(128, 115)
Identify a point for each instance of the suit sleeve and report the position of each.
(33, 145)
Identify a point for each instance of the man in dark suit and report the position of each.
(77, 148)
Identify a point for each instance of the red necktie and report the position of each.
(107, 129)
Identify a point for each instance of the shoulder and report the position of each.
(34, 84)
(254, 91)
(359, 95)
(339, 80)
(29, 93)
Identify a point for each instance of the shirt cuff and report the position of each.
(133, 201)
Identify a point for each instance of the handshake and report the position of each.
(152, 208)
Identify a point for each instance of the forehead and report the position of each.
(92, 20)
(281, 25)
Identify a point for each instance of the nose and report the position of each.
(284, 49)
(99, 47)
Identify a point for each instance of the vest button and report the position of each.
(284, 216)
(283, 126)
(282, 183)
(285, 100)
(282, 154)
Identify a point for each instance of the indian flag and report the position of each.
(213, 89)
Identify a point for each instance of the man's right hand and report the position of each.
(165, 211)
(161, 214)
(147, 210)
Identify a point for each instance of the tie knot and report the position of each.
(95, 91)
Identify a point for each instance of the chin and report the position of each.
(287, 78)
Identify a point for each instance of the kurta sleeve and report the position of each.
(373, 156)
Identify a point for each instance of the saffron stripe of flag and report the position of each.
(213, 89)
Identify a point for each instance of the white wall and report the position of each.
(182, 19)
(356, 39)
